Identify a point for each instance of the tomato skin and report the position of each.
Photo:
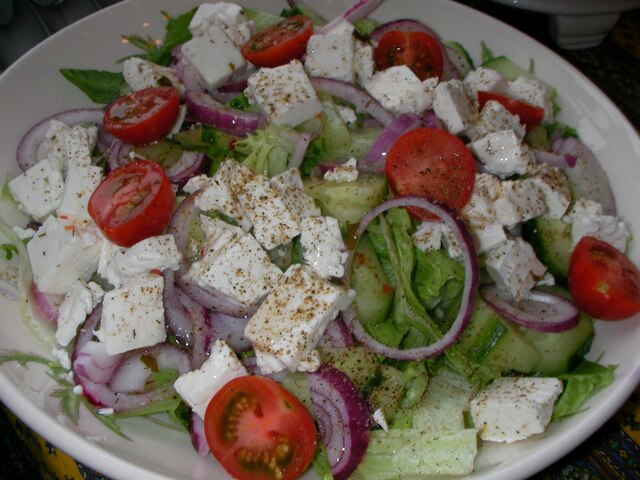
(530, 115)
(418, 50)
(603, 281)
(133, 202)
(280, 43)
(252, 414)
(143, 116)
(434, 164)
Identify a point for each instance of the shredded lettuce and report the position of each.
(267, 151)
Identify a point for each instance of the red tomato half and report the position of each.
(530, 115)
(603, 281)
(144, 116)
(417, 50)
(133, 202)
(280, 43)
(259, 431)
(434, 164)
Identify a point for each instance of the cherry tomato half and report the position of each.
(133, 202)
(434, 164)
(259, 431)
(280, 43)
(603, 281)
(143, 116)
(530, 115)
(417, 50)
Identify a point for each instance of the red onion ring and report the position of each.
(47, 304)
(555, 159)
(343, 419)
(185, 213)
(178, 321)
(363, 102)
(198, 437)
(231, 330)
(376, 158)
(213, 299)
(27, 152)
(201, 328)
(118, 154)
(355, 12)
(542, 311)
(337, 335)
(208, 111)
(470, 263)
(189, 165)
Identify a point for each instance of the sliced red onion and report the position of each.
(27, 153)
(94, 364)
(47, 304)
(376, 158)
(251, 364)
(588, 179)
(118, 154)
(130, 376)
(231, 330)
(105, 139)
(198, 437)
(343, 419)
(449, 70)
(469, 261)
(178, 321)
(213, 299)
(201, 329)
(211, 112)
(357, 11)
(337, 335)
(189, 165)
(222, 97)
(431, 120)
(238, 80)
(542, 311)
(363, 102)
(86, 331)
(187, 73)
(557, 160)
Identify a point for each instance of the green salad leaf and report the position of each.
(99, 85)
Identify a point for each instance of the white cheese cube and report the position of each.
(140, 74)
(534, 92)
(514, 267)
(512, 409)
(588, 221)
(133, 315)
(236, 265)
(450, 242)
(480, 217)
(364, 63)
(63, 251)
(322, 246)
(494, 117)
(291, 189)
(39, 190)
(214, 55)
(485, 80)
(503, 154)
(428, 236)
(554, 186)
(348, 115)
(79, 185)
(198, 387)
(453, 106)
(291, 320)
(79, 302)
(519, 201)
(78, 145)
(399, 90)
(347, 172)
(487, 237)
(285, 94)
(228, 16)
(331, 54)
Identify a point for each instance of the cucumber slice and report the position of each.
(551, 240)
(506, 67)
(388, 393)
(164, 152)
(359, 363)
(460, 57)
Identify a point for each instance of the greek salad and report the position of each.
(329, 244)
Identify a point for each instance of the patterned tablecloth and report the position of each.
(613, 452)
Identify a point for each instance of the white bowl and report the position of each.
(577, 24)
(32, 89)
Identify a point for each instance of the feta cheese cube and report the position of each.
(39, 190)
(140, 74)
(291, 189)
(199, 386)
(512, 409)
(428, 236)
(533, 91)
(453, 106)
(63, 251)
(348, 115)
(80, 183)
(228, 16)
(214, 55)
(480, 217)
(235, 264)
(133, 315)
(289, 323)
(588, 220)
(494, 117)
(79, 142)
(347, 172)
(285, 94)
(503, 154)
(332, 54)
(554, 186)
(514, 267)
(519, 201)
(79, 302)
(322, 246)
(485, 80)
(399, 90)
(364, 63)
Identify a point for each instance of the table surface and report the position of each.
(613, 452)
